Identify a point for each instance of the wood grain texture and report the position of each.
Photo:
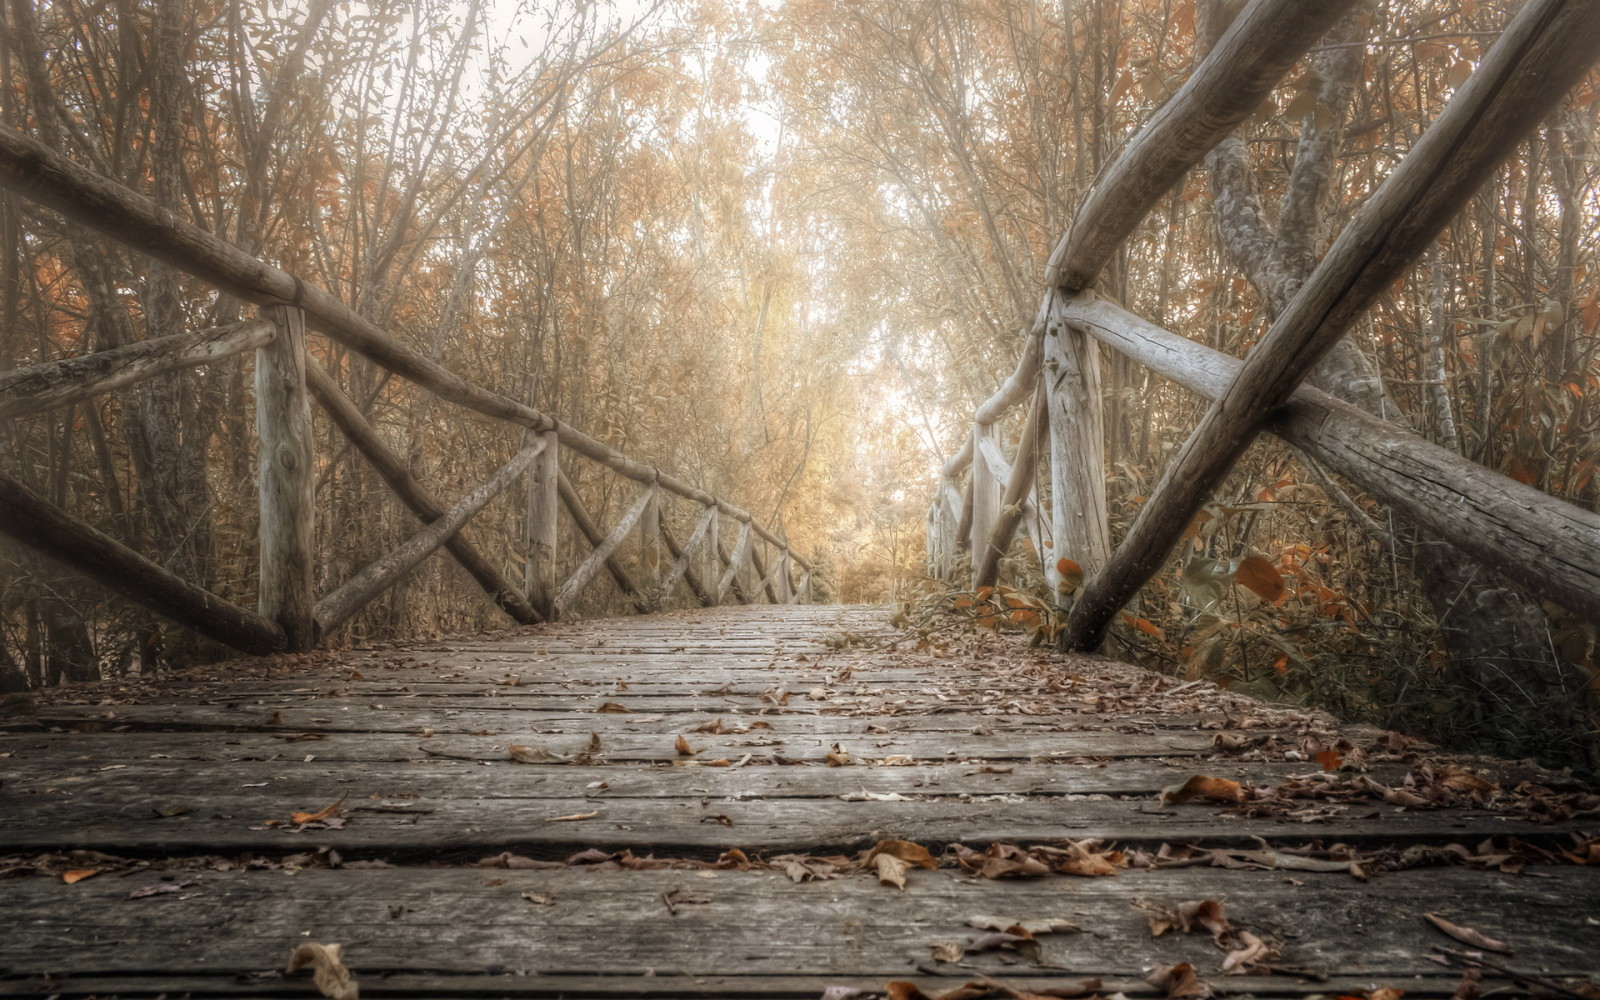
(285, 481)
(72, 380)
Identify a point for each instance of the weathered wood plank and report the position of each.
(336, 608)
(473, 921)
(72, 380)
(1546, 49)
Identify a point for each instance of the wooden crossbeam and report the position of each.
(336, 608)
(39, 524)
(681, 557)
(592, 534)
(1544, 543)
(348, 418)
(1545, 50)
(586, 570)
(72, 380)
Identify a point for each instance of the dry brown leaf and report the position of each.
(1477, 939)
(891, 870)
(947, 951)
(714, 727)
(327, 969)
(1082, 989)
(530, 754)
(318, 816)
(78, 874)
(1201, 786)
(684, 749)
(1177, 981)
(719, 762)
(1251, 950)
(574, 817)
(614, 708)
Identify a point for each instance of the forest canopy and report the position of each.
(783, 249)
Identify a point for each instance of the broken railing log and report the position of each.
(365, 438)
(1545, 50)
(1079, 516)
(730, 578)
(1542, 542)
(542, 529)
(337, 608)
(72, 380)
(1016, 497)
(39, 173)
(586, 570)
(1019, 385)
(681, 557)
(284, 475)
(41, 525)
(1244, 67)
(593, 535)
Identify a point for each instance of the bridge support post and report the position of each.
(284, 473)
(1077, 445)
(544, 503)
(712, 572)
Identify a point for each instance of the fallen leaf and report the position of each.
(891, 870)
(1200, 786)
(325, 812)
(947, 951)
(866, 796)
(529, 754)
(615, 708)
(539, 898)
(574, 817)
(78, 874)
(684, 750)
(1177, 981)
(327, 970)
(1251, 949)
(1028, 928)
(1466, 934)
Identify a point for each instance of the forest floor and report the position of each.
(764, 802)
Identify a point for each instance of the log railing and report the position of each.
(1547, 545)
(290, 616)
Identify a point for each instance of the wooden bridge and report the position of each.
(786, 799)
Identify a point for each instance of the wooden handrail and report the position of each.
(78, 193)
(40, 524)
(1549, 546)
(71, 380)
(1546, 49)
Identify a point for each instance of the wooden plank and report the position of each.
(73, 380)
(586, 570)
(37, 523)
(1019, 485)
(759, 923)
(395, 472)
(1246, 64)
(337, 608)
(542, 531)
(1538, 540)
(1546, 49)
(286, 488)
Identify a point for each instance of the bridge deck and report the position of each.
(686, 755)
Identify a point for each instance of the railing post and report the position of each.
(986, 496)
(284, 473)
(650, 546)
(539, 576)
(1077, 447)
(713, 556)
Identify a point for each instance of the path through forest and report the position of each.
(760, 801)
